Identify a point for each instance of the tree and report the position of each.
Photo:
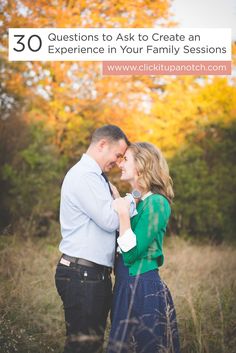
(73, 98)
(204, 175)
(33, 179)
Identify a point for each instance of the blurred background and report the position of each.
(47, 114)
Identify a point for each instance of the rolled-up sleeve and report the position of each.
(127, 241)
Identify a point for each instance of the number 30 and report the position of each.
(29, 43)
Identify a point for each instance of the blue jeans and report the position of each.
(86, 295)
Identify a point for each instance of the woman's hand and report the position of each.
(121, 205)
(114, 190)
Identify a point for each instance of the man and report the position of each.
(88, 227)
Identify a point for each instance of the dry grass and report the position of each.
(201, 279)
(202, 282)
(32, 317)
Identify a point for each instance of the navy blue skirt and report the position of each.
(143, 314)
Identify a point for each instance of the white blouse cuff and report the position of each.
(127, 241)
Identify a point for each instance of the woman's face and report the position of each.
(128, 169)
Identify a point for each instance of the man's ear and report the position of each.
(101, 144)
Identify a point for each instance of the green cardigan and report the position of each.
(149, 226)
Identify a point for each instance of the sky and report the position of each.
(205, 13)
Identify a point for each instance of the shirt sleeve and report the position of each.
(94, 199)
(127, 241)
(152, 221)
(132, 210)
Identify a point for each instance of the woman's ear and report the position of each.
(136, 176)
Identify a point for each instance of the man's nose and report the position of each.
(119, 163)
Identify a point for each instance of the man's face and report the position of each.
(112, 152)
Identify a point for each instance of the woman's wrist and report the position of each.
(123, 213)
(124, 222)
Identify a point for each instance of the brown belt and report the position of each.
(87, 263)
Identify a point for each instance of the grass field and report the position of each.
(201, 279)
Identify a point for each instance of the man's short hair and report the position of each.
(109, 132)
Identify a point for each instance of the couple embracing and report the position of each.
(143, 318)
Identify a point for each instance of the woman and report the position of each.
(143, 314)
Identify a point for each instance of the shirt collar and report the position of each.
(91, 163)
(146, 195)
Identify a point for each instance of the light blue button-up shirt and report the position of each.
(88, 221)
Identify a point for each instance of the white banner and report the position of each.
(119, 44)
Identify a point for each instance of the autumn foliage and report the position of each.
(49, 110)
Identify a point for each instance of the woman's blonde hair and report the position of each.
(152, 169)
